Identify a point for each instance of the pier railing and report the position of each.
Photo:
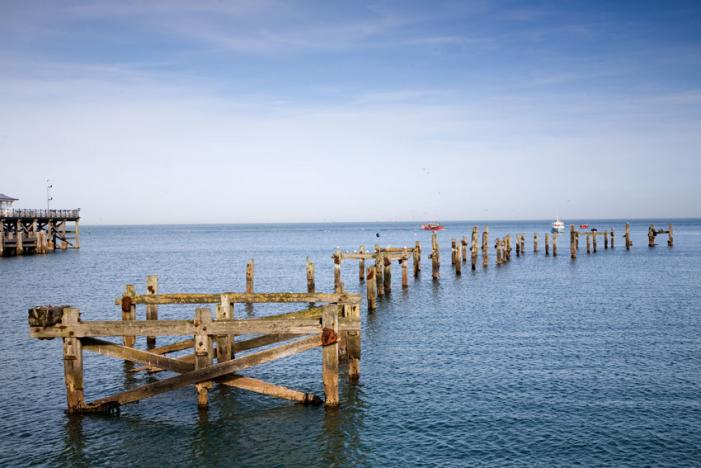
(38, 213)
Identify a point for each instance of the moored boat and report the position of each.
(432, 227)
(558, 226)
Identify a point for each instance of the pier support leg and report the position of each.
(337, 279)
(311, 287)
(353, 348)
(361, 265)
(613, 238)
(77, 235)
(151, 309)
(547, 244)
(555, 236)
(64, 241)
(371, 286)
(588, 243)
(379, 269)
(250, 274)
(405, 269)
(2, 237)
(417, 259)
(387, 280)
(329, 323)
(203, 354)
(593, 241)
(435, 257)
(629, 243)
(485, 247)
(651, 236)
(670, 239)
(225, 343)
(19, 231)
(129, 312)
(73, 364)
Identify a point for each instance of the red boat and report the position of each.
(583, 226)
(432, 227)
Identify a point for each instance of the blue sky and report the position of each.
(269, 111)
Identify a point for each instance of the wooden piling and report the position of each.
(2, 239)
(464, 249)
(435, 257)
(555, 236)
(250, 272)
(417, 259)
(151, 309)
(453, 251)
(361, 265)
(64, 240)
(19, 233)
(497, 248)
(379, 271)
(311, 287)
(573, 242)
(670, 239)
(535, 242)
(73, 364)
(651, 236)
(588, 243)
(485, 247)
(547, 244)
(129, 312)
(387, 280)
(593, 241)
(518, 245)
(405, 268)
(337, 280)
(606, 240)
(473, 247)
(371, 287)
(225, 343)
(458, 260)
(203, 353)
(354, 344)
(613, 237)
(629, 243)
(329, 322)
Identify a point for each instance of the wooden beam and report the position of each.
(266, 388)
(330, 356)
(135, 355)
(209, 373)
(285, 297)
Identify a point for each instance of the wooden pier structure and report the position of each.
(25, 231)
(219, 346)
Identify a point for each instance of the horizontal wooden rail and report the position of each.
(186, 298)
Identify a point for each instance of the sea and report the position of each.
(543, 361)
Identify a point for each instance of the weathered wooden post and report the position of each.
(225, 343)
(651, 236)
(453, 251)
(361, 264)
(593, 240)
(64, 241)
(250, 273)
(507, 248)
(573, 243)
(458, 260)
(588, 242)
(387, 280)
(19, 245)
(379, 271)
(151, 309)
(613, 237)
(405, 268)
(547, 244)
(485, 247)
(203, 353)
(354, 344)
(435, 257)
(371, 287)
(51, 234)
(2, 238)
(129, 312)
(497, 248)
(464, 249)
(555, 236)
(606, 240)
(670, 239)
(73, 364)
(629, 243)
(329, 342)
(311, 286)
(535, 242)
(417, 259)
(473, 247)
(77, 235)
(518, 245)
(337, 280)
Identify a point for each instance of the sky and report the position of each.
(284, 111)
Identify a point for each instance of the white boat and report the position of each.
(558, 226)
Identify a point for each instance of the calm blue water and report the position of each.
(539, 362)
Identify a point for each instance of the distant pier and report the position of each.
(29, 231)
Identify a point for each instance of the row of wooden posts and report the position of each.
(215, 354)
(37, 236)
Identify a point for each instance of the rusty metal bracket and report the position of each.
(328, 337)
